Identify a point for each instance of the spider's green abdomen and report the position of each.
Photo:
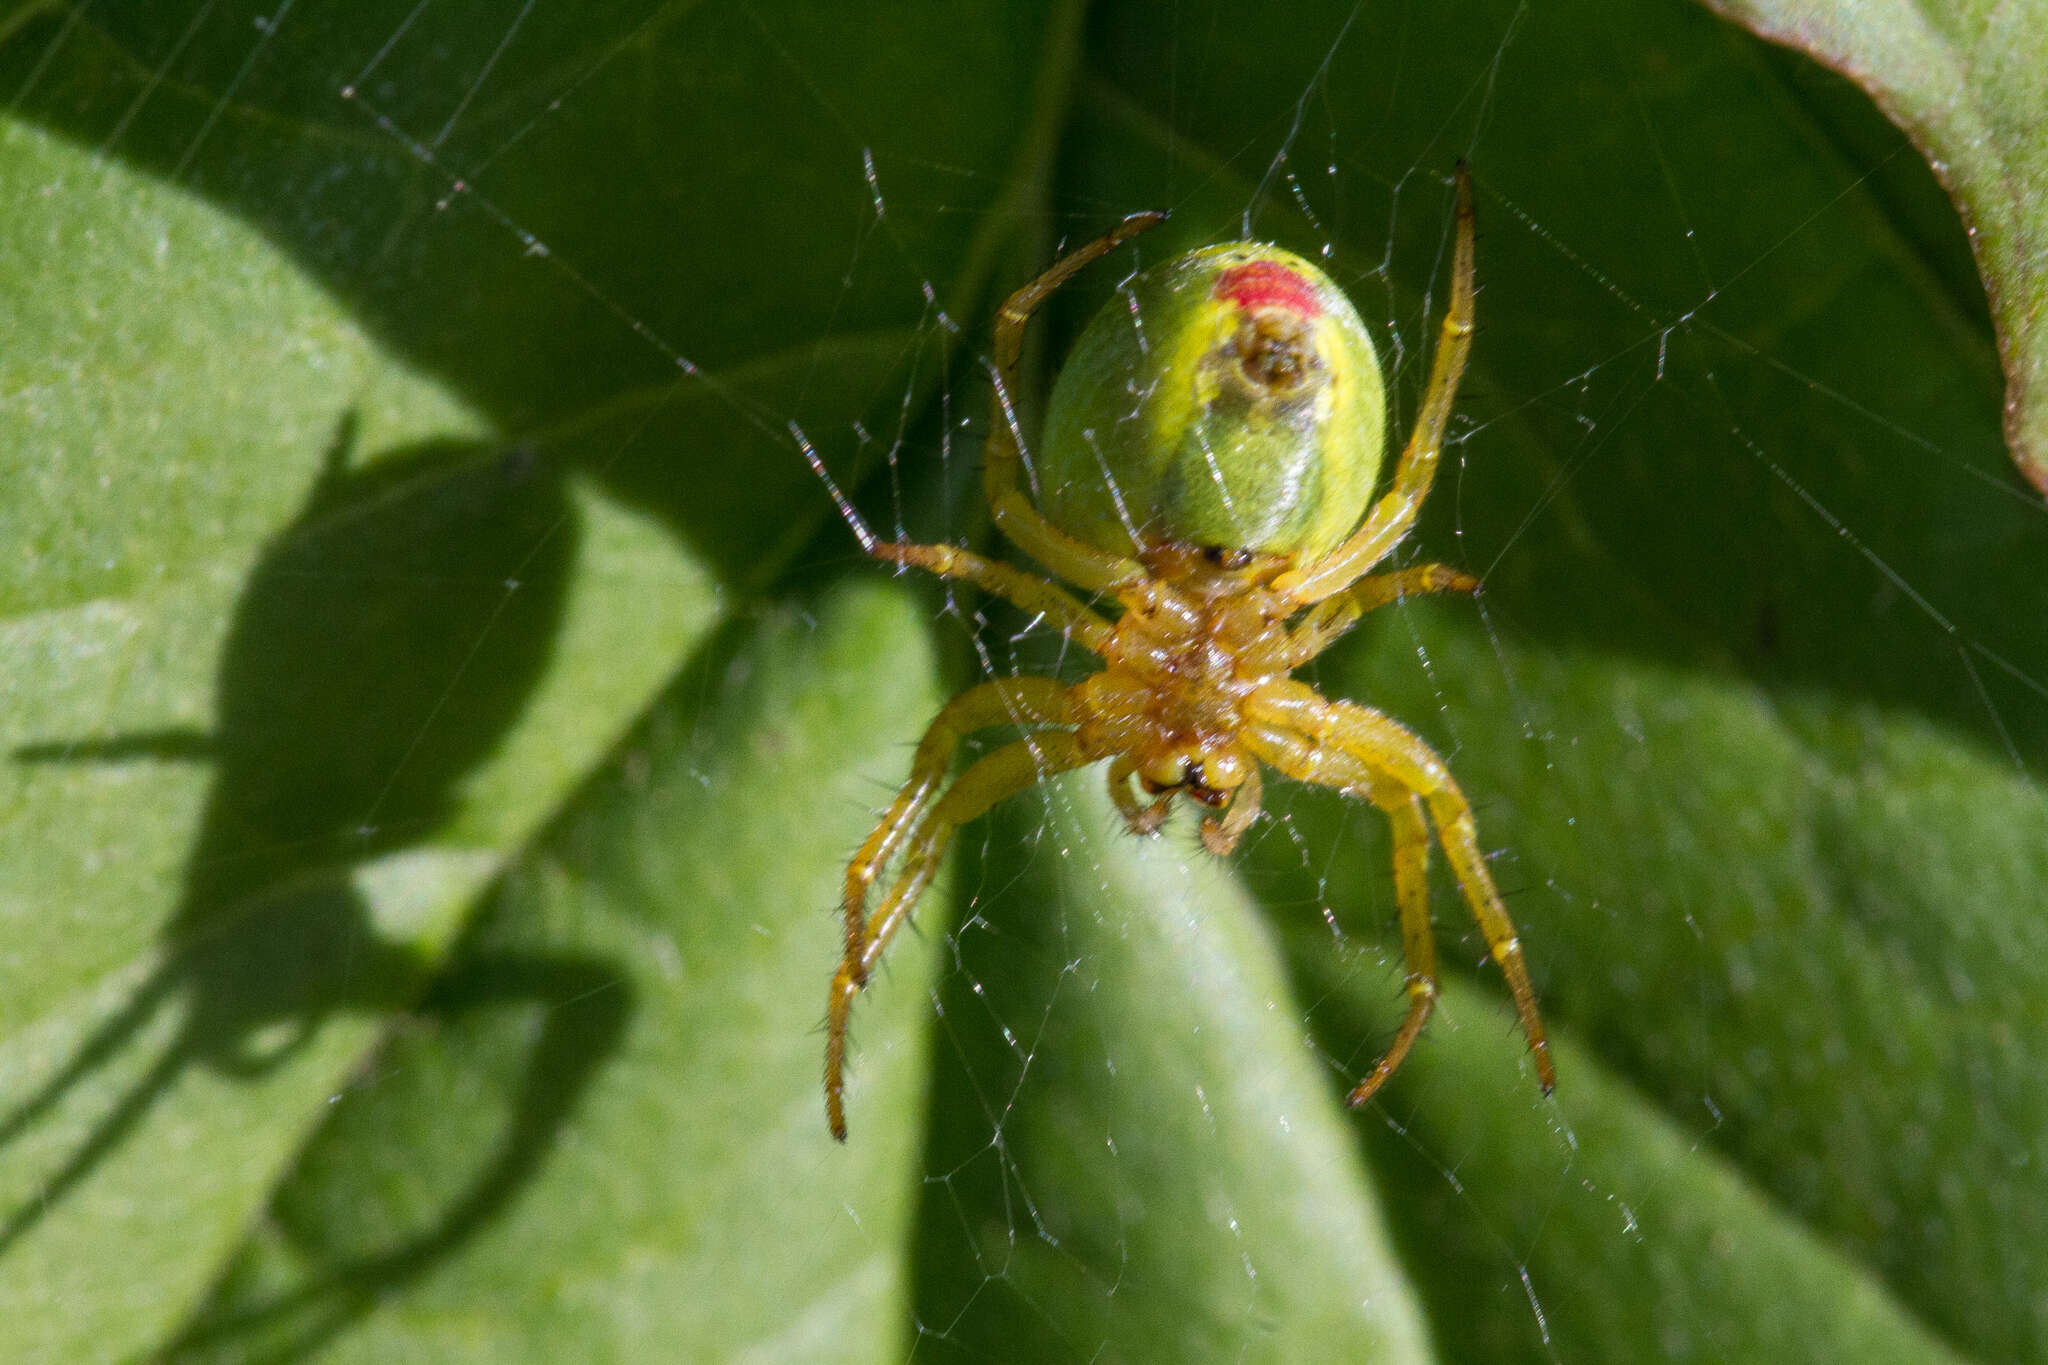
(1228, 399)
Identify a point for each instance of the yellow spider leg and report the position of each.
(1003, 701)
(1024, 590)
(1220, 836)
(1418, 943)
(1010, 769)
(1297, 756)
(1393, 515)
(1327, 621)
(1338, 735)
(1003, 463)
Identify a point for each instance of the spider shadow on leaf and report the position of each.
(582, 1005)
(389, 636)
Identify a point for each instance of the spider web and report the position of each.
(1752, 710)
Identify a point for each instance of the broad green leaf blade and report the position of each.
(276, 712)
(1729, 421)
(350, 523)
(1619, 1231)
(1141, 1159)
(605, 1140)
(550, 209)
(1751, 710)
(1907, 869)
(1969, 84)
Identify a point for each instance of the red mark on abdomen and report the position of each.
(1268, 284)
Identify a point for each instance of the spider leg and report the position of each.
(1393, 515)
(1325, 623)
(1295, 755)
(1003, 461)
(1418, 942)
(1351, 747)
(1026, 591)
(1001, 701)
(923, 829)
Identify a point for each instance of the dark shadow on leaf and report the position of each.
(384, 644)
(395, 1183)
(624, 336)
(584, 1005)
(170, 745)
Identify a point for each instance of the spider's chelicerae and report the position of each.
(1209, 453)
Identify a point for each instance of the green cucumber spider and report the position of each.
(1210, 450)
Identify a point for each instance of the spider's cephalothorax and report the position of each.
(1194, 643)
(1208, 465)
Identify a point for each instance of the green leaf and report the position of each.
(1815, 987)
(345, 541)
(1968, 84)
(1192, 1185)
(621, 1064)
(440, 699)
(296, 657)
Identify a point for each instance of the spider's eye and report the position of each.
(1230, 399)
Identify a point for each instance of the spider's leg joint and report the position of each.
(1422, 992)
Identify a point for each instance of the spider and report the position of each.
(1210, 449)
